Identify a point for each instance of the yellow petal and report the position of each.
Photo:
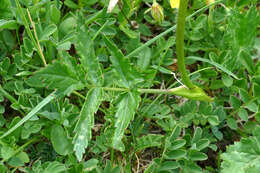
(210, 1)
(175, 3)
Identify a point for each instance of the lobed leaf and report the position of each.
(127, 73)
(86, 121)
(242, 157)
(57, 76)
(125, 113)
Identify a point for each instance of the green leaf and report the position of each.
(202, 143)
(47, 32)
(217, 133)
(125, 113)
(7, 152)
(144, 58)
(242, 113)
(86, 121)
(235, 102)
(256, 89)
(57, 76)
(29, 128)
(149, 140)
(90, 165)
(169, 165)
(243, 26)
(196, 155)
(7, 24)
(130, 33)
(55, 14)
(257, 117)
(247, 61)
(178, 143)
(127, 73)
(231, 122)
(176, 131)
(252, 106)
(197, 135)
(19, 159)
(71, 4)
(242, 157)
(213, 120)
(55, 166)
(244, 95)
(176, 154)
(59, 140)
(67, 25)
(85, 48)
(227, 80)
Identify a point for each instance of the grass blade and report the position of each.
(30, 114)
(219, 66)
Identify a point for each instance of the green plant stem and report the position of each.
(180, 43)
(195, 93)
(78, 94)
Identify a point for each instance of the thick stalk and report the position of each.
(180, 43)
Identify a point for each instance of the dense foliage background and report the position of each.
(71, 80)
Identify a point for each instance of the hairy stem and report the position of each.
(180, 43)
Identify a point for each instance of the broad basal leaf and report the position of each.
(125, 113)
(61, 144)
(56, 76)
(127, 73)
(85, 48)
(86, 121)
(242, 157)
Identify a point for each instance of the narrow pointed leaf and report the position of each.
(86, 121)
(125, 113)
(219, 66)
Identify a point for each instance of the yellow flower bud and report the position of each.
(157, 12)
(175, 3)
